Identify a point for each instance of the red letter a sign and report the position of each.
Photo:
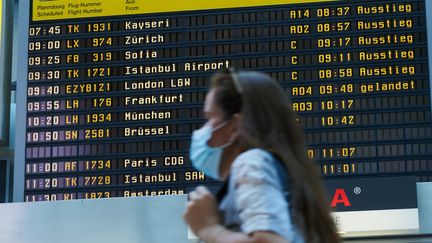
(340, 197)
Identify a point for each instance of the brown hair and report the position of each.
(269, 123)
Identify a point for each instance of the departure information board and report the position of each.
(115, 88)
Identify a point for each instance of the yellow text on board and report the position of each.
(68, 9)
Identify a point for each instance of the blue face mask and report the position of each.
(204, 157)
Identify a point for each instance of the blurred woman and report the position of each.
(251, 140)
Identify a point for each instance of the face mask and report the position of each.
(204, 157)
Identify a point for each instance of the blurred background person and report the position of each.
(251, 141)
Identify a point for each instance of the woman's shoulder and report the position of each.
(253, 155)
(254, 161)
(257, 154)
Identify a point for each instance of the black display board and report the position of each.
(112, 100)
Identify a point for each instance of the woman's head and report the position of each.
(259, 115)
(262, 106)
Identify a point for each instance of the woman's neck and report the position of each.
(230, 153)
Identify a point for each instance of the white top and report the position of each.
(255, 200)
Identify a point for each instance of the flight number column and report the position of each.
(57, 91)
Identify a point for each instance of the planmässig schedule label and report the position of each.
(115, 88)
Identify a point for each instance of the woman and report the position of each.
(252, 141)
